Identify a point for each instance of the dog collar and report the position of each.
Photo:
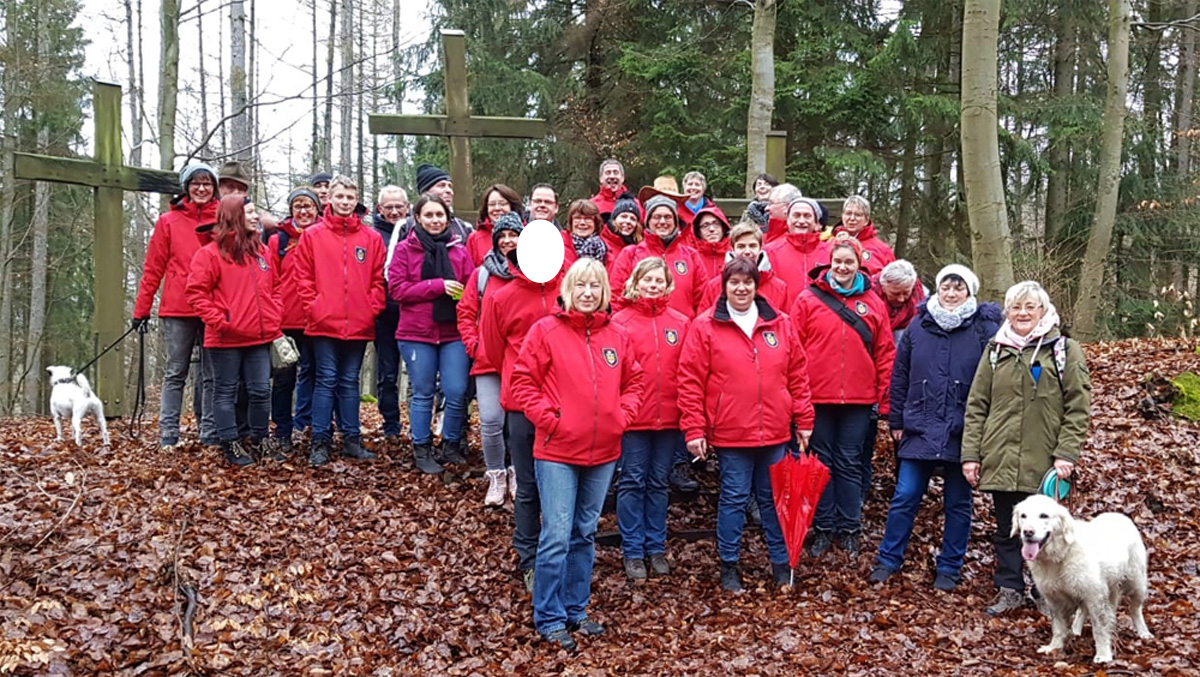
(69, 379)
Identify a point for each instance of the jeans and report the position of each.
(387, 370)
(425, 362)
(1010, 571)
(527, 507)
(911, 484)
(572, 496)
(337, 364)
(868, 455)
(491, 420)
(180, 335)
(837, 438)
(743, 468)
(298, 379)
(642, 489)
(232, 367)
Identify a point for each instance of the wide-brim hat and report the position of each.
(648, 192)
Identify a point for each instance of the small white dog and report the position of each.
(72, 396)
(1083, 567)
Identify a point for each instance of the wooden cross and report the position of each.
(109, 178)
(458, 125)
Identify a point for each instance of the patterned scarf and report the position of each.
(591, 246)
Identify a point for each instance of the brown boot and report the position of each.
(1006, 600)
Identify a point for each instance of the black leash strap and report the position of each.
(139, 397)
(848, 316)
(105, 351)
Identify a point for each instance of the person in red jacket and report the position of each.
(664, 239)
(583, 235)
(168, 262)
(778, 201)
(795, 255)
(498, 200)
(746, 242)
(487, 280)
(710, 237)
(234, 285)
(612, 186)
(743, 389)
(507, 316)
(339, 271)
(845, 329)
(578, 380)
(622, 228)
(304, 209)
(649, 444)
(857, 223)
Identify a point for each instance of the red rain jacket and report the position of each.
(479, 242)
(876, 252)
(794, 256)
(239, 303)
(169, 259)
(507, 316)
(657, 333)
(470, 309)
(293, 309)
(339, 275)
(686, 267)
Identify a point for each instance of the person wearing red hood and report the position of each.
(612, 185)
(845, 329)
(795, 255)
(857, 223)
(506, 317)
(665, 240)
(578, 380)
(746, 242)
(710, 238)
(497, 201)
(168, 263)
(339, 270)
(304, 209)
(234, 286)
(778, 201)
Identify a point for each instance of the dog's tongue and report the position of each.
(1030, 549)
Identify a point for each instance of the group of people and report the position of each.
(669, 334)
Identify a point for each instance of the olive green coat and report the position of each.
(1014, 427)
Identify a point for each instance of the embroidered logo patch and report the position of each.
(672, 336)
(681, 267)
(610, 357)
(866, 255)
(770, 339)
(360, 254)
(861, 308)
(262, 263)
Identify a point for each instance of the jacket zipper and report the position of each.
(346, 277)
(595, 395)
(658, 365)
(758, 371)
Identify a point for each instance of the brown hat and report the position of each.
(648, 192)
(233, 171)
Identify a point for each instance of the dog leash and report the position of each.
(134, 430)
(110, 347)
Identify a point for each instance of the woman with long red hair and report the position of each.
(234, 287)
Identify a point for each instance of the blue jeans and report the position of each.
(743, 469)
(572, 496)
(337, 364)
(251, 367)
(181, 334)
(837, 438)
(911, 485)
(646, 460)
(387, 370)
(425, 361)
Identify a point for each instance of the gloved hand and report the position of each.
(142, 324)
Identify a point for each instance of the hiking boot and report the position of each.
(284, 445)
(880, 574)
(635, 569)
(659, 565)
(527, 576)
(423, 459)
(319, 455)
(497, 483)
(731, 577)
(753, 513)
(781, 573)
(168, 446)
(681, 478)
(1006, 600)
(850, 544)
(269, 449)
(586, 626)
(512, 483)
(451, 453)
(353, 448)
(945, 582)
(237, 454)
(562, 638)
(819, 544)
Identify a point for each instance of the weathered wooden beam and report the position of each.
(458, 110)
(88, 173)
(777, 155)
(734, 206)
(109, 251)
(440, 125)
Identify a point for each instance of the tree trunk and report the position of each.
(360, 174)
(327, 157)
(202, 151)
(397, 78)
(221, 96)
(1088, 305)
(8, 197)
(240, 130)
(314, 159)
(41, 235)
(251, 96)
(908, 193)
(168, 91)
(762, 90)
(1060, 153)
(1187, 90)
(346, 107)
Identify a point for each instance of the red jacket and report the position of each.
(293, 309)
(711, 253)
(776, 229)
(239, 303)
(615, 245)
(507, 316)
(793, 257)
(339, 275)
(657, 333)
(842, 371)
(735, 391)
(577, 380)
(606, 198)
(686, 267)
(169, 259)
(901, 315)
(770, 287)
(479, 242)
(876, 252)
(469, 316)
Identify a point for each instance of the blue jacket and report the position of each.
(930, 381)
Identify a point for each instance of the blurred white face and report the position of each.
(693, 187)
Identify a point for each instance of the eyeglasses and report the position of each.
(860, 215)
(393, 208)
(542, 201)
(711, 225)
(304, 208)
(497, 205)
(197, 183)
(1028, 308)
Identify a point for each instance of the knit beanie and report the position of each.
(624, 203)
(189, 172)
(661, 201)
(962, 271)
(429, 176)
(320, 177)
(817, 209)
(303, 192)
(509, 221)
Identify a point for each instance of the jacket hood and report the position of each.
(715, 211)
(341, 224)
(865, 234)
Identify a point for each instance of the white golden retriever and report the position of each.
(1083, 567)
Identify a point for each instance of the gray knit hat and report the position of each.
(303, 191)
(189, 172)
(662, 201)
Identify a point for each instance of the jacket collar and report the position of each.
(766, 314)
(817, 275)
(651, 307)
(865, 234)
(341, 224)
(805, 242)
(655, 243)
(718, 248)
(583, 321)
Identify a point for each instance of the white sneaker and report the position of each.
(497, 479)
(512, 482)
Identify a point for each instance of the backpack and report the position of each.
(283, 242)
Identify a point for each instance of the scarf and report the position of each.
(436, 266)
(591, 246)
(497, 265)
(859, 286)
(669, 239)
(1007, 337)
(949, 320)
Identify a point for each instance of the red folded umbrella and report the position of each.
(797, 484)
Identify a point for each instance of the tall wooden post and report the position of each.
(109, 251)
(777, 154)
(458, 114)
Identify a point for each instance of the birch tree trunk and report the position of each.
(762, 90)
(991, 248)
(359, 174)
(8, 196)
(346, 103)
(202, 151)
(328, 145)
(1187, 91)
(1088, 305)
(240, 130)
(314, 159)
(168, 91)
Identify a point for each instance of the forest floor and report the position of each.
(373, 569)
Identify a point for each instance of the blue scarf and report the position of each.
(859, 286)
